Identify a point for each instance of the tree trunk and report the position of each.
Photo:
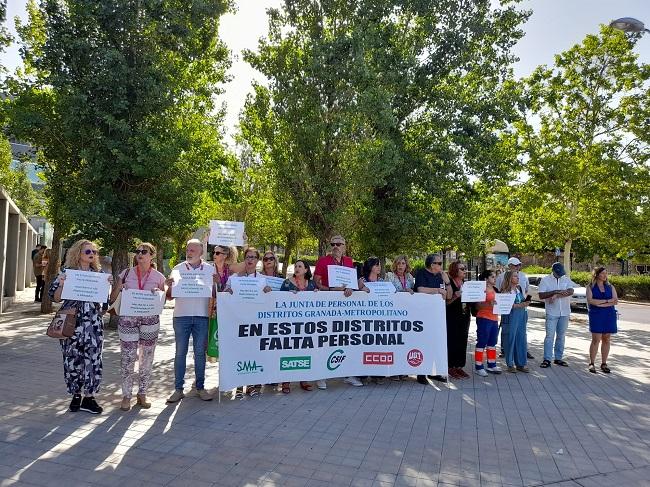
(52, 270)
(119, 263)
(292, 239)
(160, 265)
(322, 246)
(567, 256)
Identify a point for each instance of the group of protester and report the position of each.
(82, 353)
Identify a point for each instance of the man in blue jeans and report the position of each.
(556, 290)
(190, 319)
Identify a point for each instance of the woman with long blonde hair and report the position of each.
(82, 352)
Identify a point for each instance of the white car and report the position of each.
(578, 299)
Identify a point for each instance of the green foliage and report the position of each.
(16, 182)
(377, 113)
(584, 150)
(127, 88)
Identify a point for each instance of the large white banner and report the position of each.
(318, 335)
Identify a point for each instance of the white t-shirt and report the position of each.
(193, 306)
(560, 306)
(523, 281)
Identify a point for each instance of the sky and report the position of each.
(554, 26)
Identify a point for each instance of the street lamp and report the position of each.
(628, 24)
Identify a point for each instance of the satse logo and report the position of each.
(295, 363)
(414, 358)
(378, 358)
(335, 359)
(249, 367)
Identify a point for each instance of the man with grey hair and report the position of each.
(191, 318)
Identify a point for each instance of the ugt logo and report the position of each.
(249, 367)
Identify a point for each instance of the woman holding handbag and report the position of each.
(138, 332)
(82, 352)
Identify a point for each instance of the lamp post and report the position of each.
(629, 24)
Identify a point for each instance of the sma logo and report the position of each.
(249, 367)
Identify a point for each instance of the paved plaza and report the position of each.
(559, 426)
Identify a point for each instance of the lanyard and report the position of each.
(190, 268)
(403, 281)
(146, 277)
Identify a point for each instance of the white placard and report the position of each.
(275, 283)
(383, 289)
(473, 292)
(249, 289)
(341, 276)
(192, 283)
(135, 302)
(504, 303)
(226, 233)
(308, 336)
(85, 286)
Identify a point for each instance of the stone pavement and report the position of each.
(558, 426)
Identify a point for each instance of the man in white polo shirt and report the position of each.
(556, 290)
(191, 318)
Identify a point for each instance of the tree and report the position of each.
(585, 152)
(132, 87)
(377, 113)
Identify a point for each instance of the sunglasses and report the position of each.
(437, 263)
(220, 253)
(142, 251)
(252, 257)
(90, 251)
(337, 244)
(461, 269)
(268, 259)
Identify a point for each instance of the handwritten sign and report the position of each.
(141, 303)
(340, 276)
(85, 286)
(192, 283)
(504, 303)
(383, 289)
(226, 233)
(473, 292)
(249, 289)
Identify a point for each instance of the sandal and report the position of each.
(545, 364)
(592, 368)
(286, 388)
(604, 368)
(305, 386)
(561, 363)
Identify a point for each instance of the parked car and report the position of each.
(578, 299)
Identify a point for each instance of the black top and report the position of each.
(424, 278)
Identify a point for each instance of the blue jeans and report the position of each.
(513, 328)
(555, 328)
(184, 326)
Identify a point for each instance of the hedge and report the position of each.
(636, 288)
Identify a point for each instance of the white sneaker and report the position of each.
(494, 370)
(481, 372)
(321, 384)
(353, 381)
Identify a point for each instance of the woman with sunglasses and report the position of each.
(300, 281)
(458, 318)
(82, 352)
(225, 262)
(138, 331)
(487, 328)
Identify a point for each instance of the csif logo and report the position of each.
(335, 359)
(295, 363)
(249, 367)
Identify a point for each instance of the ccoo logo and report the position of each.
(414, 358)
(378, 358)
(335, 359)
